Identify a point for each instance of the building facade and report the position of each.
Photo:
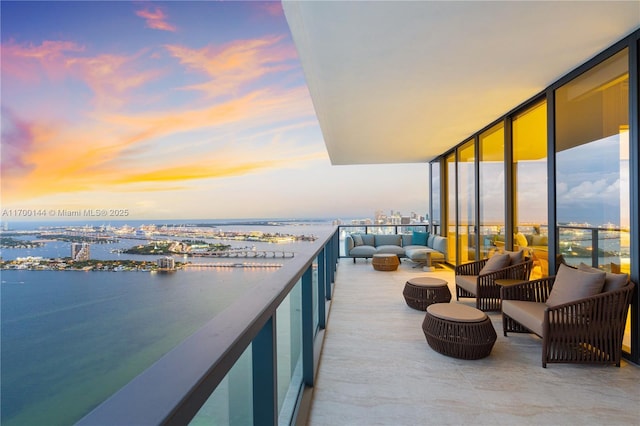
(557, 175)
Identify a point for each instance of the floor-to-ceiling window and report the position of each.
(466, 235)
(592, 167)
(450, 161)
(435, 197)
(492, 190)
(529, 174)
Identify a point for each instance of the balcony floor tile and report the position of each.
(377, 369)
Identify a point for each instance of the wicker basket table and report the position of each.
(458, 331)
(421, 292)
(385, 262)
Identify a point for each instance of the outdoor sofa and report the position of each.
(416, 246)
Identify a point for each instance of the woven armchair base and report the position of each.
(464, 340)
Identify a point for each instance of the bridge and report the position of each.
(233, 265)
(245, 254)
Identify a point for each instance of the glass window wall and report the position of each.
(592, 168)
(451, 208)
(492, 190)
(466, 203)
(529, 171)
(435, 197)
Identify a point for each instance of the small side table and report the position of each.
(420, 292)
(385, 262)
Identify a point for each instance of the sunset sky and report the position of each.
(184, 110)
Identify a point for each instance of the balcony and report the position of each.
(324, 345)
(377, 368)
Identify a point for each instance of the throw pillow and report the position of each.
(419, 238)
(495, 263)
(521, 240)
(515, 257)
(573, 284)
(357, 240)
(611, 281)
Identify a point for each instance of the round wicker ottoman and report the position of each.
(385, 262)
(458, 331)
(421, 292)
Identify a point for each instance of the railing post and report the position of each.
(594, 246)
(265, 391)
(322, 285)
(307, 328)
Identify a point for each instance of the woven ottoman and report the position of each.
(458, 331)
(421, 292)
(385, 262)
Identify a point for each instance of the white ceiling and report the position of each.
(402, 82)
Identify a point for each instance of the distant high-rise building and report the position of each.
(80, 251)
(166, 263)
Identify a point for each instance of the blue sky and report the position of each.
(173, 110)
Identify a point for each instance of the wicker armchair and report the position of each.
(588, 330)
(487, 292)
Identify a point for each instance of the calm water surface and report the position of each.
(71, 339)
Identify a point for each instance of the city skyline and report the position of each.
(172, 110)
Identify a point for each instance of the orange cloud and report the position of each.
(156, 19)
(106, 153)
(235, 64)
(110, 77)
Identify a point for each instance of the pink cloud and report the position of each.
(27, 61)
(273, 8)
(156, 19)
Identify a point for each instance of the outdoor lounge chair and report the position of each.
(574, 328)
(478, 279)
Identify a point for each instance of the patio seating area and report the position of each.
(376, 368)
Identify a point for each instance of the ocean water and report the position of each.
(70, 339)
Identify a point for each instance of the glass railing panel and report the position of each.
(232, 401)
(289, 350)
(614, 250)
(575, 245)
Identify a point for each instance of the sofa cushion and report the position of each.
(391, 249)
(440, 244)
(363, 251)
(611, 281)
(357, 240)
(515, 257)
(573, 284)
(468, 282)
(388, 240)
(406, 240)
(529, 314)
(430, 240)
(419, 238)
(368, 239)
(416, 253)
(495, 263)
